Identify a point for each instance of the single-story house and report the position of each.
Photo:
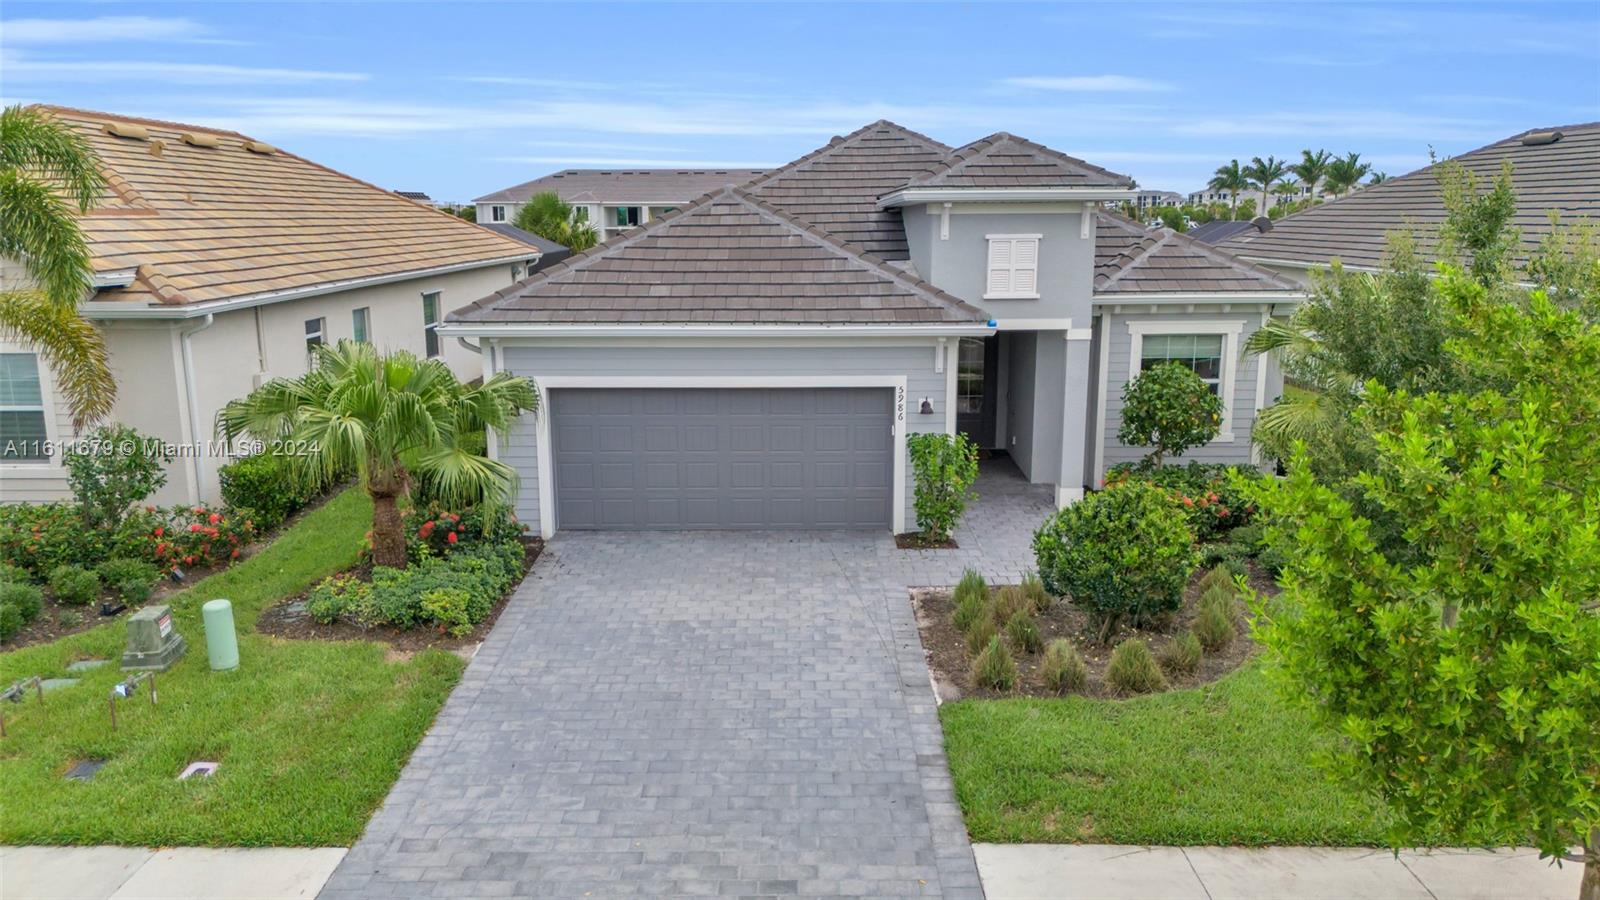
(550, 252)
(1553, 171)
(758, 357)
(615, 200)
(219, 261)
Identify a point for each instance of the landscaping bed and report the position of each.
(916, 540)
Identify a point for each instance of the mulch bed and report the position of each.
(916, 540)
(951, 664)
(290, 620)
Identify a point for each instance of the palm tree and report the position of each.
(1264, 173)
(48, 175)
(1311, 168)
(1378, 178)
(553, 219)
(1230, 178)
(1346, 172)
(389, 418)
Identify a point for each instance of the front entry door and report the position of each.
(977, 360)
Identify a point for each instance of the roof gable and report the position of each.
(728, 258)
(1132, 260)
(1004, 160)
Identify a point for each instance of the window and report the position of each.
(969, 377)
(23, 436)
(619, 219)
(1210, 349)
(1200, 353)
(430, 322)
(497, 213)
(315, 329)
(1013, 267)
(580, 213)
(516, 271)
(361, 324)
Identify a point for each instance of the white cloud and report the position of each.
(636, 162)
(22, 69)
(1087, 83)
(1361, 124)
(607, 147)
(105, 28)
(517, 81)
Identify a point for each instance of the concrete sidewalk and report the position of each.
(1109, 872)
(179, 873)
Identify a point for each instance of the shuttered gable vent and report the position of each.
(1013, 267)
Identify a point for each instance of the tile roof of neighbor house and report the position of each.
(545, 245)
(415, 195)
(729, 257)
(1561, 176)
(1004, 160)
(1130, 259)
(625, 185)
(1219, 230)
(202, 218)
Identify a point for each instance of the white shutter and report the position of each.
(999, 267)
(1013, 266)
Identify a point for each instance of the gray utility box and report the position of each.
(152, 641)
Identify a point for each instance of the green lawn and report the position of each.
(310, 735)
(1228, 763)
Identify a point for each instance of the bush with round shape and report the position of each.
(10, 621)
(1214, 626)
(69, 618)
(994, 667)
(10, 574)
(1121, 552)
(1133, 669)
(133, 591)
(450, 609)
(116, 572)
(1218, 578)
(266, 485)
(1024, 633)
(1169, 409)
(74, 585)
(1181, 655)
(24, 597)
(1063, 668)
(982, 631)
(113, 468)
(1033, 589)
(1216, 498)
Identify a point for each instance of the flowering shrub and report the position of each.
(433, 530)
(192, 536)
(39, 537)
(1211, 501)
(452, 592)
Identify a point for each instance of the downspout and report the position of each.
(184, 334)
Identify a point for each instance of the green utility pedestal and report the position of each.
(222, 643)
(152, 641)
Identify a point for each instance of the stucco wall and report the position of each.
(913, 358)
(959, 264)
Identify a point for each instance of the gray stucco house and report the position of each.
(757, 358)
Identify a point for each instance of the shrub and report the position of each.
(1022, 631)
(1229, 557)
(1218, 578)
(267, 486)
(113, 468)
(1215, 498)
(10, 574)
(1133, 670)
(971, 584)
(192, 536)
(133, 591)
(452, 609)
(1119, 552)
(1181, 655)
(38, 537)
(339, 595)
(1168, 408)
(69, 618)
(10, 622)
(994, 668)
(1033, 589)
(26, 599)
(74, 585)
(1214, 626)
(1063, 669)
(944, 467)
(971, 608)
(1010, 602)
(434, 531)
(982, 631)
(122, 570)
(396, 596)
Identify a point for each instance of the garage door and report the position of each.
(715, 458)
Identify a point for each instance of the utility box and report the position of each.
(153, 642)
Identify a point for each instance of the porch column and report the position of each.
(1075, 423)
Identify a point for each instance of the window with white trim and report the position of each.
(24, 436)
(497, 213)
(1199, 353)
(315, 329)
(430, 322)
(1207, 347)
(1013, 271)
(361, 324)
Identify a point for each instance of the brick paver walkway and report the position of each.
(661, 714)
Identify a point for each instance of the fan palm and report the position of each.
(1311, 168)
(390, 418)
(48, 175)
(1230, 178)
(1264, 173)
(1346, 172)
(553, 219)
(1378, 178)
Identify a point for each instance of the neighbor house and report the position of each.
(219, 262)
(615, 200)
(1554, 171)
(759, 357)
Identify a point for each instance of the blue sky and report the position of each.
(460, 99)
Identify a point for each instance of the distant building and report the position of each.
(614, 200)
(1152, 199)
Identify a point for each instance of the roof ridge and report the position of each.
(79, 112)
(1128, 259)
(836, 143)
(971, 152)
(1154, 241)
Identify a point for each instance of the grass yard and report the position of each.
(1227, 763)
(310, 735)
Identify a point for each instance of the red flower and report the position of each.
(215, 518)
(189, 560)
(160, 530)
(234, 554)
(1189, 503)
(454, 517)
(161, 547)
(195, 527)
(451, 537)
(198, 510)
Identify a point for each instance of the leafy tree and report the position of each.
(1172, 217)
(113, 468)
(1345, 173)
(1264, 173)
(1312, 168)
(1378, 178)
(1478, 233)
(48, 175)
(1168, 408)
(1245, 210)
(1462, 680)
(551, 218)
(388, 418)
(1230, 178)
(944, 467)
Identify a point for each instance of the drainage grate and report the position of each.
(83, 770)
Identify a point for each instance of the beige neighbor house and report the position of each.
(219, 262)
(615, 200)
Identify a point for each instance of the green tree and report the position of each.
(1168, 408)
(1312, 168)
(1345, 173)
(48, 176)
(1462, 681)
(551, 218)
(944, 466)
(1264, 173)
(1377, 178)
(389, 418)
(1478, 234)
(1230, 178)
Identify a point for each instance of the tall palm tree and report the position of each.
(1311, 168)
(553, 219)
(1346, 172)
(48, 175)
(1264, 173)
(390, 418)
(1230, 178)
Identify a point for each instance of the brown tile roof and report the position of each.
(1563, 176)
(836, 187)
(216, 222)
(1130, 259)
(625, 185)
(1004, 160)
(730, 257)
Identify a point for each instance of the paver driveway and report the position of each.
(667, 714)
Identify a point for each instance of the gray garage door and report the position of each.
(747, 458)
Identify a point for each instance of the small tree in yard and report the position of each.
(386, 417)
(113, 468)
(1170, 409)
(1464, 680)
(944, 466)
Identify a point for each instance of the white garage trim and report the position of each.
(547, 383)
